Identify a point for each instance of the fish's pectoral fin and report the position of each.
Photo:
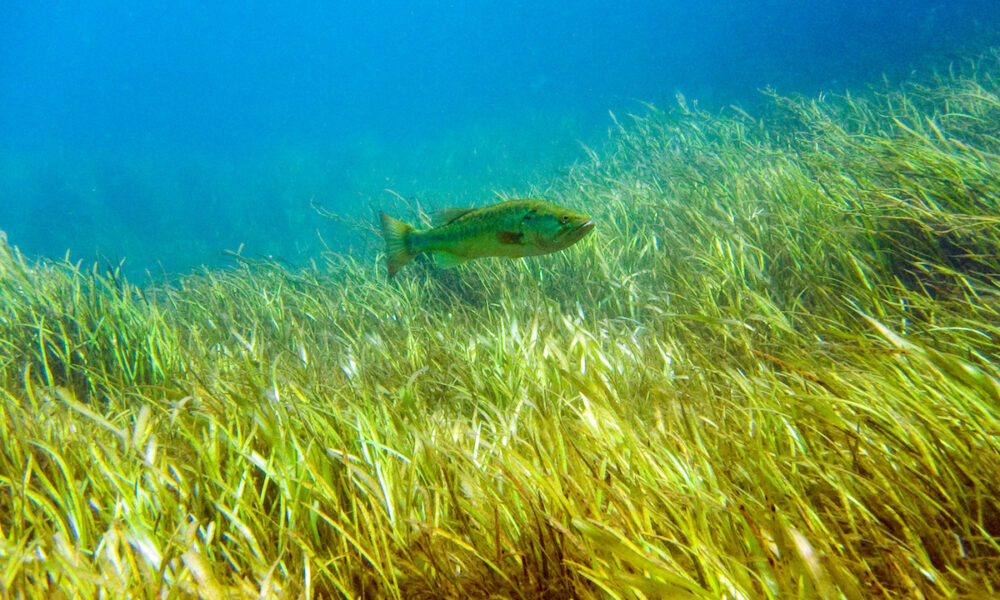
(510, 238)
(447, 260)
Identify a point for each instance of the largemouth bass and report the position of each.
(513, 228)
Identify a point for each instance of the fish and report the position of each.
(512, 229)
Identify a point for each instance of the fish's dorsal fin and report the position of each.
(449, 215)
(447, 260)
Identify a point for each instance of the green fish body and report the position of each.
(513, 228)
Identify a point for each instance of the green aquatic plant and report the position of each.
(770, 373)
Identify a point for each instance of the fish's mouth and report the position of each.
(567, 237)
(582, 230)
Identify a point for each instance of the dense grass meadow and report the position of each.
(771, 372)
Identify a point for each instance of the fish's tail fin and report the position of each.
(397, 249)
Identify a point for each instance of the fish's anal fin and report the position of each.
(510, 238)
(448, 215)
(447, 260)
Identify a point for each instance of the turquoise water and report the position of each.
(166, 134)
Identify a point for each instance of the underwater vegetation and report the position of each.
(771, 372)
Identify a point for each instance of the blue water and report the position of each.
(166, 132)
